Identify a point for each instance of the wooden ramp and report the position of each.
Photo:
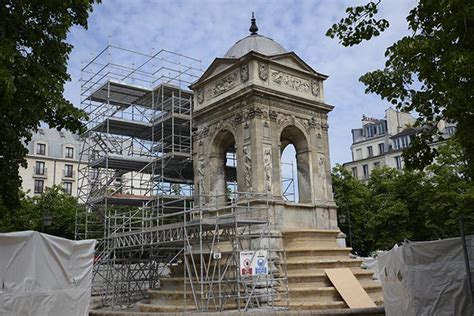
(349, 288)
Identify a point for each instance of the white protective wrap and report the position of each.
(42, 274)
(427, 278)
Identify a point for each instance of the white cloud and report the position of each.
(206, 29)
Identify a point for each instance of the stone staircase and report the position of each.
(308, 253)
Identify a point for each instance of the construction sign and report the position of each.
(253, 263)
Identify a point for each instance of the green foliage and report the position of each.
(33, 70)
(359, 25)
(397, 205)
(430, 71)
(53, 202)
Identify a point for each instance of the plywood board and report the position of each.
(350, 289)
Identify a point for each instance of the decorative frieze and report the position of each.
(286, 80)
(221, 86)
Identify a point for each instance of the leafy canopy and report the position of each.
(33, 70)
(429, 71)
(397, 205)
(53, 202)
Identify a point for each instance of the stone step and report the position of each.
(321, 306)
(314, 266)
(317, 252)
(165, 308)
(360, 274)
(309, 237)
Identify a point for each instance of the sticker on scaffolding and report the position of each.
(253, 263)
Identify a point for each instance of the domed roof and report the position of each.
(256, 43)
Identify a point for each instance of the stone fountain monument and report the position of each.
(258, 99)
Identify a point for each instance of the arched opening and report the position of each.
(294, 141)
(223, 167)
(289, 176)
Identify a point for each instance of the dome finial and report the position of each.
(253, 27)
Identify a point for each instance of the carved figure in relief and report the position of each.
(267, 165)
(322, 172)
(244, 73)
(201, 176)
(247, 168)
(263, 71)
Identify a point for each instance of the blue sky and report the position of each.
(206, 29)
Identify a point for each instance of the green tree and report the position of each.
(397, 205)
(54, 204)
(429, 71)
(352, 197)
(33, 70)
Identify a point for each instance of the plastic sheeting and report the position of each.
(44, 275)
(427, 278)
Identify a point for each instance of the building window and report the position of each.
(69, 152)
(370, 152)
(354, 172)
(39, 186)
(381, 148)
(377, 164)
(398, 162)
(67, 187)
(359, 153)
(68, 171)
(41, 149)
(39, 168)
(366, 171)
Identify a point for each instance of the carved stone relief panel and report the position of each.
(222, 85)
(267, 168)
(289, 81)
(263, 71)
(247, 168)
(315, 88)
(322, 172)
(266, 130)
(246, 131)
(244, 73)
(200, 173)
(200, 96)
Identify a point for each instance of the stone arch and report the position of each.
(291, 134)
(223, 141)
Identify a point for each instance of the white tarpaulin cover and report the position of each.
(427, 278)
(44, 275)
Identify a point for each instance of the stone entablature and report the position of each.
(225, 76)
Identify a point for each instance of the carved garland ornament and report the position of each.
(244, 73)
(263, 71)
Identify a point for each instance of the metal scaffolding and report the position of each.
(136, 182)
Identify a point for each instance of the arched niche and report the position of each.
(293, 135)
(222, 147)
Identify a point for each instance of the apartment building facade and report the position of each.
(53, 159)
(380, 142)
